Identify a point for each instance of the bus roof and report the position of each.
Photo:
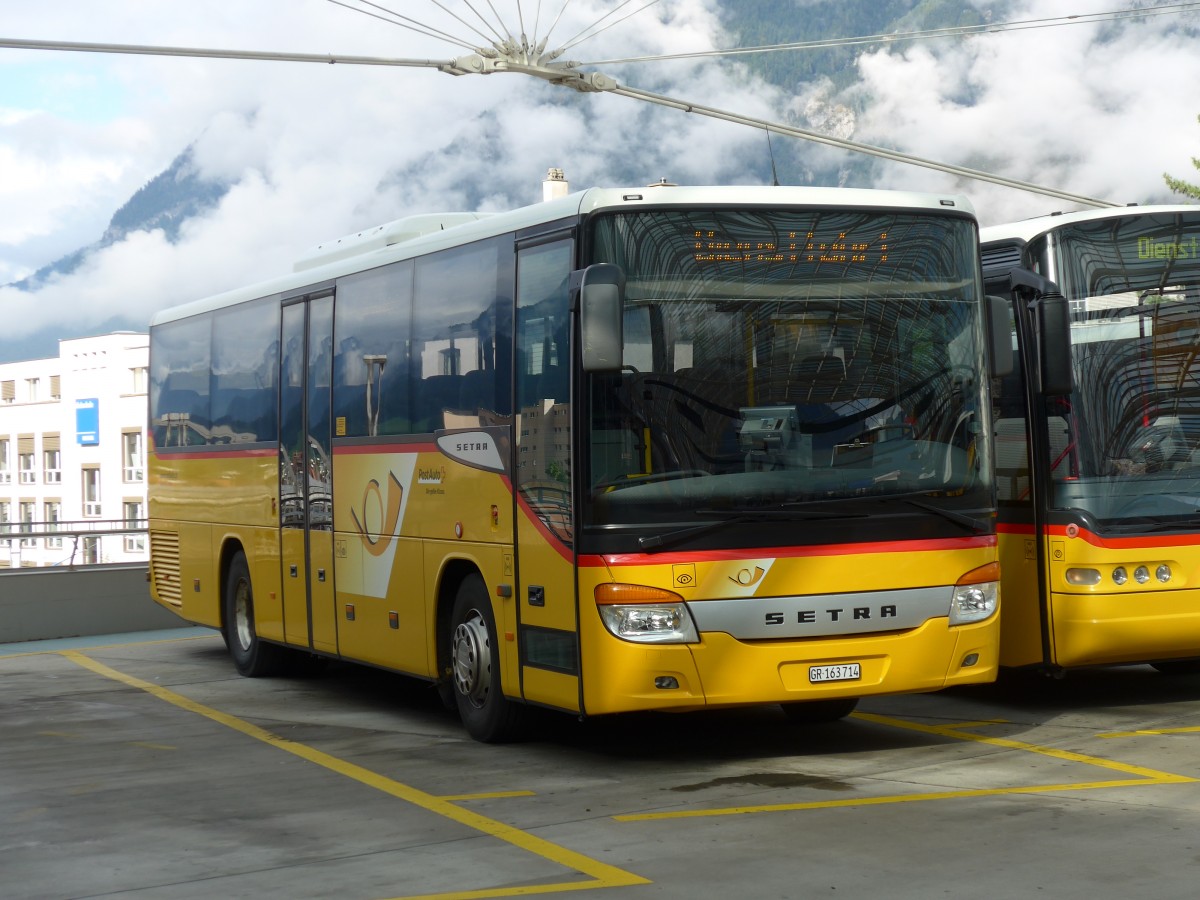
(1028, 229)
(417, 235)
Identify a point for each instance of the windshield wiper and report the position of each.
(969, 522)
(736, 516)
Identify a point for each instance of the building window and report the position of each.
(5, 519)
(52, 515)
(25, 464)
(91, 492)
(33, 389)
(137, 380)
(5, 467)
(8, 391)
(91, 551)
(51, 459)
(131, 449)
(55, 387)
(134, 543)
(27, 522)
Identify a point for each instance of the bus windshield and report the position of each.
(1128, 438)
(777, 360)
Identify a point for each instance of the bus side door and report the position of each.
(548, 629)
(306, 473)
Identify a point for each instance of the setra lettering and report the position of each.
(809, 616)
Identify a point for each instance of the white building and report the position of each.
(72, 453)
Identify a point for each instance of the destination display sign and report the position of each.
(869, 247)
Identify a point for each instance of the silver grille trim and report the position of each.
(821, 615)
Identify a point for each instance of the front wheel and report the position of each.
(815, 712)
(486, 713)
(252, 657)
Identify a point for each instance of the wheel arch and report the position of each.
(231, 546)
(452, 575)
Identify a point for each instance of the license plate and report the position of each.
(841, 672)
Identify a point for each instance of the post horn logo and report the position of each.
(373, 542)
(746, 578)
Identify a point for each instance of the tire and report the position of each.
(486, 713)
(816, 712)
(251, 656)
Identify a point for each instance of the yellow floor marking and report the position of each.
(93, 647)
(1068, 755)
(604, 875)
(890, 798)
(490, 795)
(1190, 729)
(1141, 777)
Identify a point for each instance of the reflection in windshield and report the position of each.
(1128, 439)
(753, 379)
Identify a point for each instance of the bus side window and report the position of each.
(372, 326)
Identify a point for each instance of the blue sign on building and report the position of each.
(87, 422)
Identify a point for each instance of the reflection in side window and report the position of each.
(372, 327)
(245, 360)
(543, 385)
(179, 382)
(461, 330)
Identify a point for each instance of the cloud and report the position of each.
(1099, 111)
(318, 151)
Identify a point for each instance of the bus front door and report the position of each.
(305, 474)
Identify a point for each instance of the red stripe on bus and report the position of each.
(555, 543)
(916, 546)
(217, 454)
(1185, 539)
(384, 449)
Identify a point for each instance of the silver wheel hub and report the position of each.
(241, 615)
(473, 659)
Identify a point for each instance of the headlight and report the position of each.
(975, 599)
(645, 615)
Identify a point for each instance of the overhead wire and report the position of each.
(583, 36)
(569, 69)
(562, 9)
(417, 27)
(467, 24)
(896, 37)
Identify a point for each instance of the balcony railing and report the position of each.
(26, 534)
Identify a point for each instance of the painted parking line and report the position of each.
(1190, 729)
(1140, 776)
(601, 874)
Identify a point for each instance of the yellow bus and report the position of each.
(1098, 438)
(667, 448)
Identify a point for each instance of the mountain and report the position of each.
(165, 202)
(761, 23)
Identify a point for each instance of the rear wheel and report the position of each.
(251, 656)
(814, 712)
(486, 713)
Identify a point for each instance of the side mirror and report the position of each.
(601, 313)
(999, 326)
(1054, 344)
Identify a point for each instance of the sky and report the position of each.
(318, 151)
